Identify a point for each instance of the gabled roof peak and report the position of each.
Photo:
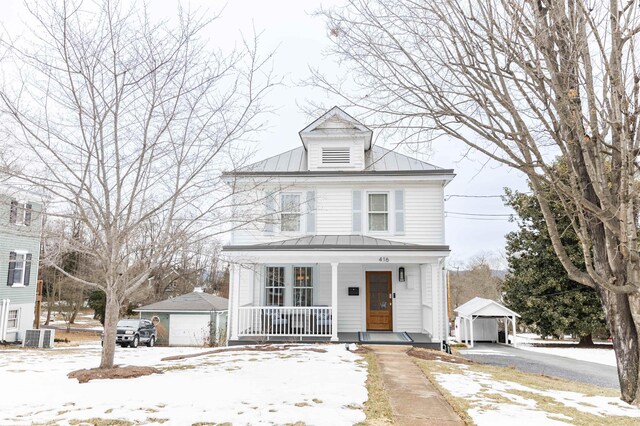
(335, 121)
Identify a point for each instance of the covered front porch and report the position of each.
(307, 290)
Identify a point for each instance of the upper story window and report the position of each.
(337, 155)
(20, 213)
(19, 269)
(290, 212)
(378, 212)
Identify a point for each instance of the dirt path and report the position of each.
(414, 400)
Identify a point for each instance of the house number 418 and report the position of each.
(383, 259)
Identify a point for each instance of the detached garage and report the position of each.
(194, 319)
(477, 321)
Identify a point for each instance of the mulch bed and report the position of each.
(430, 355)
(117, 372)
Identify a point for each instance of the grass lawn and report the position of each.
(377, 408)
(485, 394)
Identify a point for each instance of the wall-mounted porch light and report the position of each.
(401, 274)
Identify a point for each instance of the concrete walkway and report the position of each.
(414, 400)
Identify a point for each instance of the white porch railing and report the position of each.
(312, 321)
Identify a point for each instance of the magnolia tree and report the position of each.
(127, 122)
(522, 82)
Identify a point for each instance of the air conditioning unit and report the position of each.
(38, 338)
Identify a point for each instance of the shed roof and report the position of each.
(195, 301)
(481, 307)
(341, 242)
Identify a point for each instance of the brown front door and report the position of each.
(379, 301)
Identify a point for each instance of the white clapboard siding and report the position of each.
(423, 209)
(349, 307)
(407, 305)
(334, 211)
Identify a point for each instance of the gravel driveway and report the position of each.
(538, 363)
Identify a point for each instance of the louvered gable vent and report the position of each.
(336, 155)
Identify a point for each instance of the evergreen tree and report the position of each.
(537, 286)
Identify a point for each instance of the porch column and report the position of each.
(514, 331)
(471, 329)
(235, 299)
(334, 301)
(435, 306)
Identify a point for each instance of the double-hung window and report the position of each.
(20, 213)
(378, 212)
(302, 286)
(12, 322)
(19, 269)
(275, 286)
(290, 212)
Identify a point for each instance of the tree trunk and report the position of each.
(111, 314)
(74, 313)
(48, 313)
(625, 342)
(586, 340)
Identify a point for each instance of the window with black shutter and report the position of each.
(13, 213)
(27, 268)
(12, 268)
(27, 214)
(19, 269)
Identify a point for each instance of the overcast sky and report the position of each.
(298, 39)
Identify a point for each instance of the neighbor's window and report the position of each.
(20, 213)
(275, 286)
(378, 212)
(290, 212)
(19, 269)
(13, 319)
(302, 286)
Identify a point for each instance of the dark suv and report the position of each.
(132, 332)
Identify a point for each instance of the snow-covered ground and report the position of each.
(241, 387)
(604, 355)
(486, 396)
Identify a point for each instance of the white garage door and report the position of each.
(189, 330)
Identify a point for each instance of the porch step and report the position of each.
(384, 337)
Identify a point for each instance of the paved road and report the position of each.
(549, 365)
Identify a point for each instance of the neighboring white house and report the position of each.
(349, 241)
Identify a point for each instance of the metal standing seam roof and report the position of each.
(189, 302)
(475, 305)
(344, 242)
(377, 159)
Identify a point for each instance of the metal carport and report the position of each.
(479, 307)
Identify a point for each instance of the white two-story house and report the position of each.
(338, 240)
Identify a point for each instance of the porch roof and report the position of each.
(337, 242)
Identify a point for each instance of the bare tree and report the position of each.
(522, 82)
(476, 279)
(127, 122)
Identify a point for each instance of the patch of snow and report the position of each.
(241, 387)
(477, 388)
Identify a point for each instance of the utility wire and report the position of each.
(480, 214)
